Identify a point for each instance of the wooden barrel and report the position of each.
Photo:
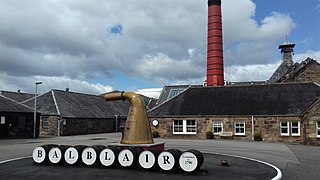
(129, 157)
(40, 154)
(89, 155)
(109, 155)
(63, 149)
(148, 158)
(191, 160)
(71, 155)
(169, 159)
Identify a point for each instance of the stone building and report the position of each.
(70, 113)
(284, 108)
(288, 71)
(17, 120)
(287, 112)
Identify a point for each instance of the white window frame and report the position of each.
(177, 126)
(287, 127)
(174, 92)
(236, 125)
(184, 126)
(295, 134)
(217, 124)
(318, 129)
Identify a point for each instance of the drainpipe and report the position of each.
(252, 128)
(304, 127)
(59, 122)
(116, 117)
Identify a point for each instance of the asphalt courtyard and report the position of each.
(294, 161)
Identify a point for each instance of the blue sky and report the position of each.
(100, 46)
(306, 15)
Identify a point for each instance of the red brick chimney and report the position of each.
(215, 73)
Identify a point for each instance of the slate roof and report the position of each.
(281, 71)
(297, 68)
(17, 96)
(270, 99)
(45, 104)
(287, 72)
(152, 103)
(78, 105)
(166, 91)
(9, 105)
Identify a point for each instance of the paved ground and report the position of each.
(295, 161)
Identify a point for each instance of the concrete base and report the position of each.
(159, 145)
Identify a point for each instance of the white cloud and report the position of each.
(27, 84)
(309, 53)
(250, 72)
(162, 66)
(160, 41)
(150, 92)
(247, 41)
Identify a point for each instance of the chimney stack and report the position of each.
(215, 72)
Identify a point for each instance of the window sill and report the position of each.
(183, 133)
(286, 135)
(295, 135)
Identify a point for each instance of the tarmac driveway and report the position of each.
(295, 161)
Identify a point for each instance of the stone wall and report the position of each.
(309, 74)
(269, 127)
(311, 118)
(52, 129)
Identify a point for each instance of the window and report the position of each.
(184, 127)
(191, 126)
(295, 128)
(318, 129)
(240, 128)
(284, 128)
(45, 122)
(174, 92)
(217, 127)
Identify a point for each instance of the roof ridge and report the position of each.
(254, 85)
(63, 91)
(15, 92)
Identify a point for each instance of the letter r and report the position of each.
(166, 159)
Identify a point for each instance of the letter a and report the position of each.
(126, 158)
(55, 155)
